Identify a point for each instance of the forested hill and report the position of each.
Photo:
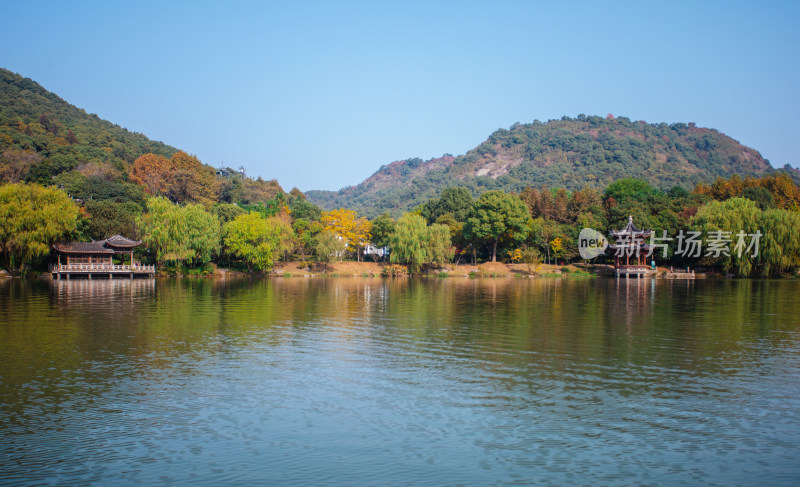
(569, 153)
(61, 136)
(45, 140)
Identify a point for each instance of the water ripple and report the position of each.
(373, 382)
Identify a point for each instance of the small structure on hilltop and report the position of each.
(631, 250)
(96, 259)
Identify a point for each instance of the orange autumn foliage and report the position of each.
(780, 185)
(182, 178)
(153, 172)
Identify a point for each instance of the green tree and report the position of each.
(415, 244)
(629, 189)
(179, 234)
(158, 231)
(497, 217)
(32, 218)
(779, 249)
(302, 208)
(382, 229)
(226, 212)
(760, 196)
(678, 192)
(203, 233)
(456, 201)
(107, 218)
(456, 228)
(328, 246)
(733, 215)
(305, 236)
(653, 211)
(258, 241)
(408, 242)
(440, 248)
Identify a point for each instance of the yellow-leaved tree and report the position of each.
(347, 225)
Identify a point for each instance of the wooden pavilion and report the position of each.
(96, 259)
(631, 250)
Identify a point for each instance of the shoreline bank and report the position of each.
(374, 269)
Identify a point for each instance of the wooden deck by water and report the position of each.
(101, 271)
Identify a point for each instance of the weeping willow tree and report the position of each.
(179, 233)
(766, 242)
(736, 216)
(440, 249)
(415, 244)
(780, 245)
(329, 246)
(31, 218)
(203, 233)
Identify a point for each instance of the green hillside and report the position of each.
(569, 153)
(44, 139)
(58, 137)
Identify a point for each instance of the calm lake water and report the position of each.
(400, 382)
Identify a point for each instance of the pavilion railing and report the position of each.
(633, 269)
(102, 267)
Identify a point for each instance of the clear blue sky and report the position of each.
(320, 94)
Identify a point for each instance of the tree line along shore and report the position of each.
(169, 205)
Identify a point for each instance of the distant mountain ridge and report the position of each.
(47, 140)
(569, 153)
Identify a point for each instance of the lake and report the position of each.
(363, 381)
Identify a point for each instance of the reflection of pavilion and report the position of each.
(84, 291)
(631, 251)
